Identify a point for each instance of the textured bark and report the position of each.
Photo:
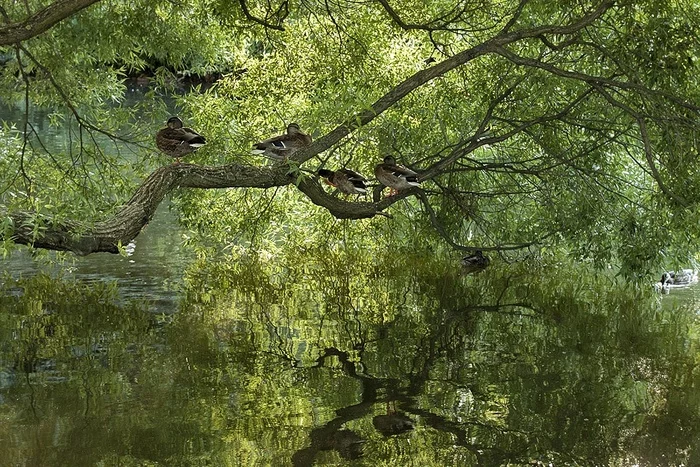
(41, 21)
(126, 224)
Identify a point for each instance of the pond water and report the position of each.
(335, 357)
(268, 364)
(152, 272)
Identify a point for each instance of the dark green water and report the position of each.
(298, 364)
(151, 273)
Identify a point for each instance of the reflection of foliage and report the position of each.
(567, 360)
(290, 358)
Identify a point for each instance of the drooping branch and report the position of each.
(423, 197)
(648, 152)
(595, 80)
(106, 236)
(441, 23)
(280, 14)
(41, 21)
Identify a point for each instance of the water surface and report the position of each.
(339, 357)
(300, 364)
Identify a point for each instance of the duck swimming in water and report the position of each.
(684, 277)
(476, 262)
(676, 280)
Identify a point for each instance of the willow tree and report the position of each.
(531, 123)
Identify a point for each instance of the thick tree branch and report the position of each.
(438, 24)
(41, 21)
(422, 77)
(281, 14)
(106, 236)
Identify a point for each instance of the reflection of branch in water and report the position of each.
(438, 344)
(348, 444)
(330, 435)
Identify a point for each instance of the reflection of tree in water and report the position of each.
(507, 372)
(393, 422)
(489, 369)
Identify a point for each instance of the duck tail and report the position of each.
(413, 180)
(259, 148)
(359, 186)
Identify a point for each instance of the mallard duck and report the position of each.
(345, 180)
(393, 423)
(475, 262)
(176, 141)
(282, 146)
(676, 279)
(395, 176)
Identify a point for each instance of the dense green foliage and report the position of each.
(553, 131)
(584, 139)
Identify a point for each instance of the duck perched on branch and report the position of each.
(281, 147)
(178, 141)
(476, 262)
(345, 180)
(395, 176)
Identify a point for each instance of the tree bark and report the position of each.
(106, 236)
(41, 21)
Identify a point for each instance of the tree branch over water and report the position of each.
(530, 103)
(106, 236)
(39, 22)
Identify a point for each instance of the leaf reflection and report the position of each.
(306, 360)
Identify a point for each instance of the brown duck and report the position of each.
(395, 176)
(176, 141)
(345, 180)
(281, 147)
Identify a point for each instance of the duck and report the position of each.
(476, 262)
(393, 423)
(281, 147)
(345, 180)
(395, 176)
(176, 141)
(676, 279)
